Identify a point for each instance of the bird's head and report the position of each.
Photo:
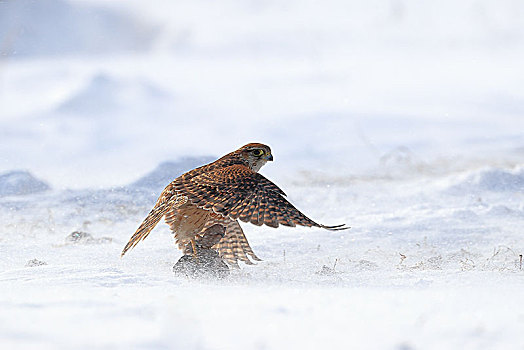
(255, 155)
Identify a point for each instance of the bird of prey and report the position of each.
(222, 193)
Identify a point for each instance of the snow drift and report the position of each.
(20, 182)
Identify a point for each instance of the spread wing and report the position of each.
(238, 192)
(167, 201)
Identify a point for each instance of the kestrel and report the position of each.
(221, 193)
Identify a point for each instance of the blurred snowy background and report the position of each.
(122, 86)
(402, 118)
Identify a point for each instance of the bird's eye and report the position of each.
(258, 152)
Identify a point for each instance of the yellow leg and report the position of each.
(193, 245)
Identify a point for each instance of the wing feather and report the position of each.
(237, 192)
(167, 201)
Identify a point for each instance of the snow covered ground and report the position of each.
(403, 119)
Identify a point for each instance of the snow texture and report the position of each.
(164, 173)
(19, 182)
(403, 119)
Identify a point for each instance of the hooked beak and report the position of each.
(269, 157)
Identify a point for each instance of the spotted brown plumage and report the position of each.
(223, 192)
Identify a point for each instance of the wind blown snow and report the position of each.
(402, 119)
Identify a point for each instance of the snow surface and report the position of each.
(19, 182)
(403, 119)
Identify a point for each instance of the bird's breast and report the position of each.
(188, 221)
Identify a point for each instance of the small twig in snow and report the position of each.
(402, 258)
